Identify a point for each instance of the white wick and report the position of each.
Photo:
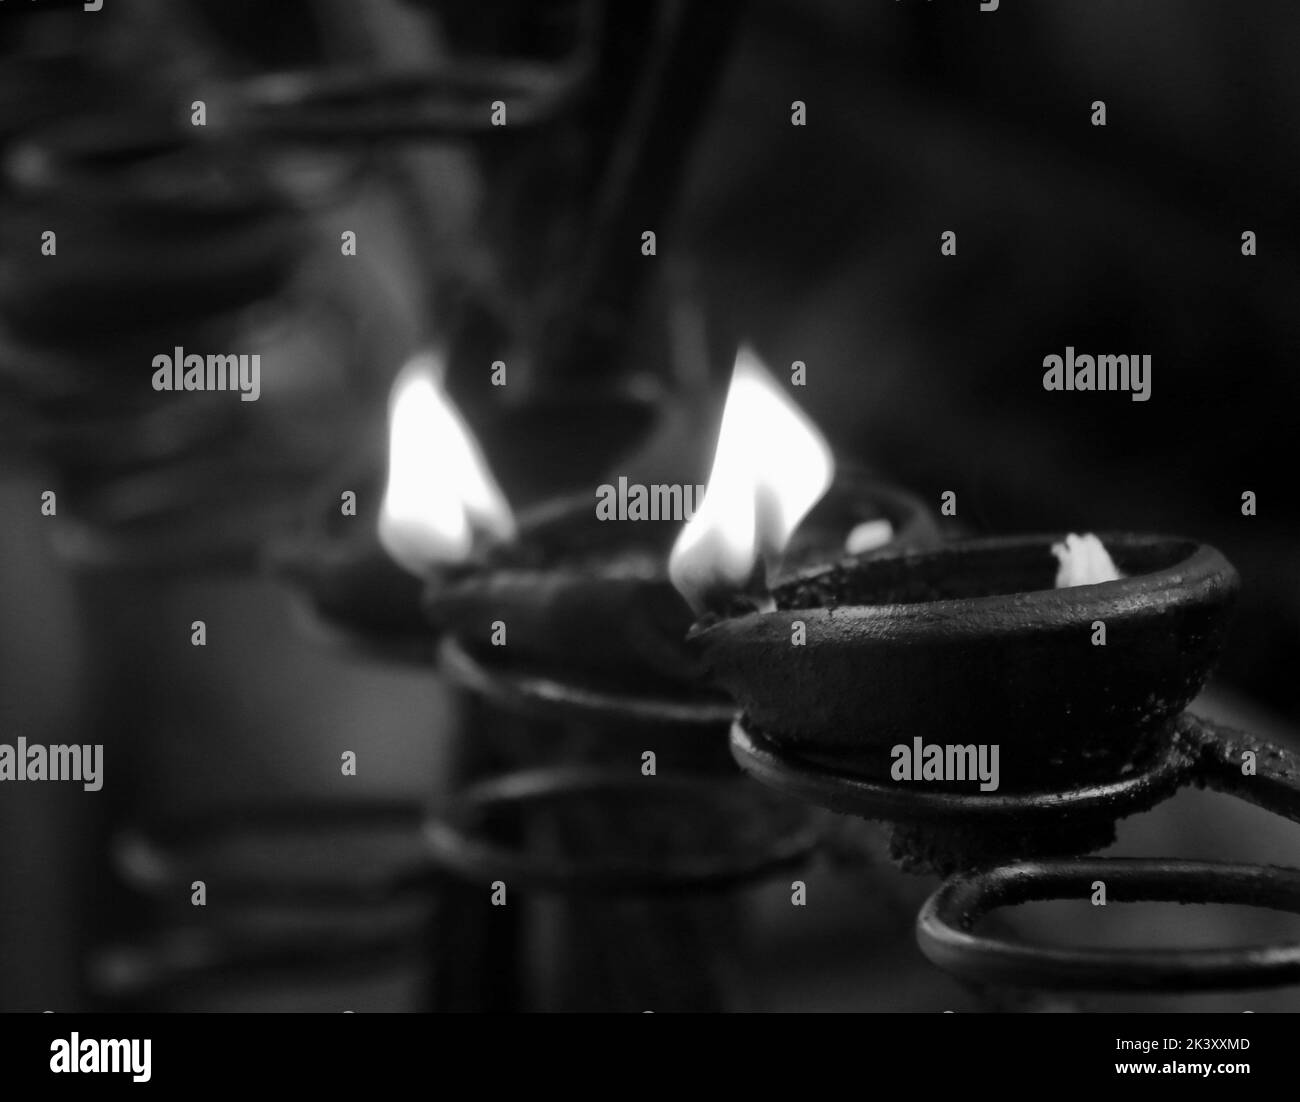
(1084, 561)
(869, 535)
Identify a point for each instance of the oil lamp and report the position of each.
(970, 642)
(968, 645)
(347, 567)
(439, 506)
(1079, 686)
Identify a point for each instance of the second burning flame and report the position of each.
(770, 468)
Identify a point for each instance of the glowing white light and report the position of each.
(770, 468)
(1083, 560)
(440, 497)
(868, 535)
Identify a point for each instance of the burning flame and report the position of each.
(440, 494)
(771, 466)
(1083, 560)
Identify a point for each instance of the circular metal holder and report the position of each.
(539, 694)
(365, 106)
(943, 831)
(948, 830)
(315, 854)
(722, 834)
(944, 926)
(696, 830)
(303, 896)
(174, 961)
(868, 799)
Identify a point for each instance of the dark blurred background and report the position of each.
(817, 243)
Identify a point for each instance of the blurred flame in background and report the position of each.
(441, 497)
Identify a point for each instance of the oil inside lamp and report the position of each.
(441, 501)
(770, 468)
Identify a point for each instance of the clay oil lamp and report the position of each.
(1007, 652)
(975, 643)
(363, 590)
(361, 571)
(1075, 658)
